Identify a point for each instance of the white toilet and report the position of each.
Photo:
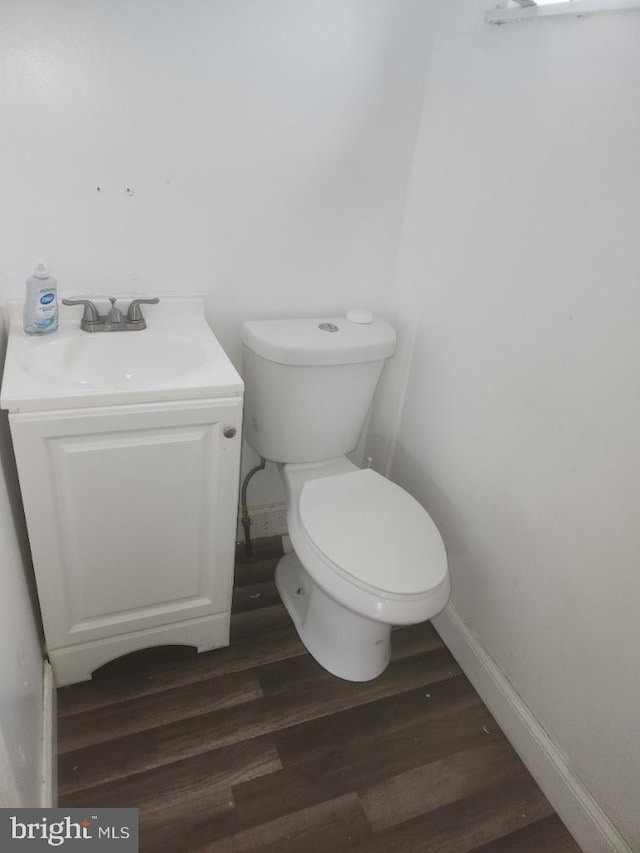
(366, 555)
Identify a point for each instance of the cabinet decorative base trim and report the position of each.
(77, 663)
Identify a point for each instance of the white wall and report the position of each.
(21, 770)
(519, 278)
(267, 146)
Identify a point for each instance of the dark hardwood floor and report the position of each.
(257, 748)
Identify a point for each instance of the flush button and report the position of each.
(361, 316)
(229, 432)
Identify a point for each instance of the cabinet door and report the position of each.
(131, 512)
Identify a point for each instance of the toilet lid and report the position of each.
(371, 529)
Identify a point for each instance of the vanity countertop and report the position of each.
(177, 357)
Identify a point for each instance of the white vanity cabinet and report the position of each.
(131, 513)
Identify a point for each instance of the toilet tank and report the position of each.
(309, 384)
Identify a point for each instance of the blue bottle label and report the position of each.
(46, 310)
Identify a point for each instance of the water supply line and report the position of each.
(244, 509)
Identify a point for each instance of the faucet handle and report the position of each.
(90, 313)
(134, 314)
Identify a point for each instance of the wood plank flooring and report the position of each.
(257, 748)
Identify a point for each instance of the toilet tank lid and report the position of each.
(319, 341)
(374, 531)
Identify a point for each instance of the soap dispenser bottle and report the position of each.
(41, 303)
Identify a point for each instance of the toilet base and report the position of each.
(345, 644)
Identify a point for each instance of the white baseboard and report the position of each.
(9, 794)
(266, 520)
(49, 797)
(582, 815)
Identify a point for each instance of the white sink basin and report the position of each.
(177, 357)
(112, 358)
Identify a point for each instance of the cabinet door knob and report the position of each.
(229, 432)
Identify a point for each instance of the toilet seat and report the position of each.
(401, 554)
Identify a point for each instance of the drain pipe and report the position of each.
(244, 509)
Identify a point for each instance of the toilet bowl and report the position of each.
(366, 557)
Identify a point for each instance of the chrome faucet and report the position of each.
(114, 320)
